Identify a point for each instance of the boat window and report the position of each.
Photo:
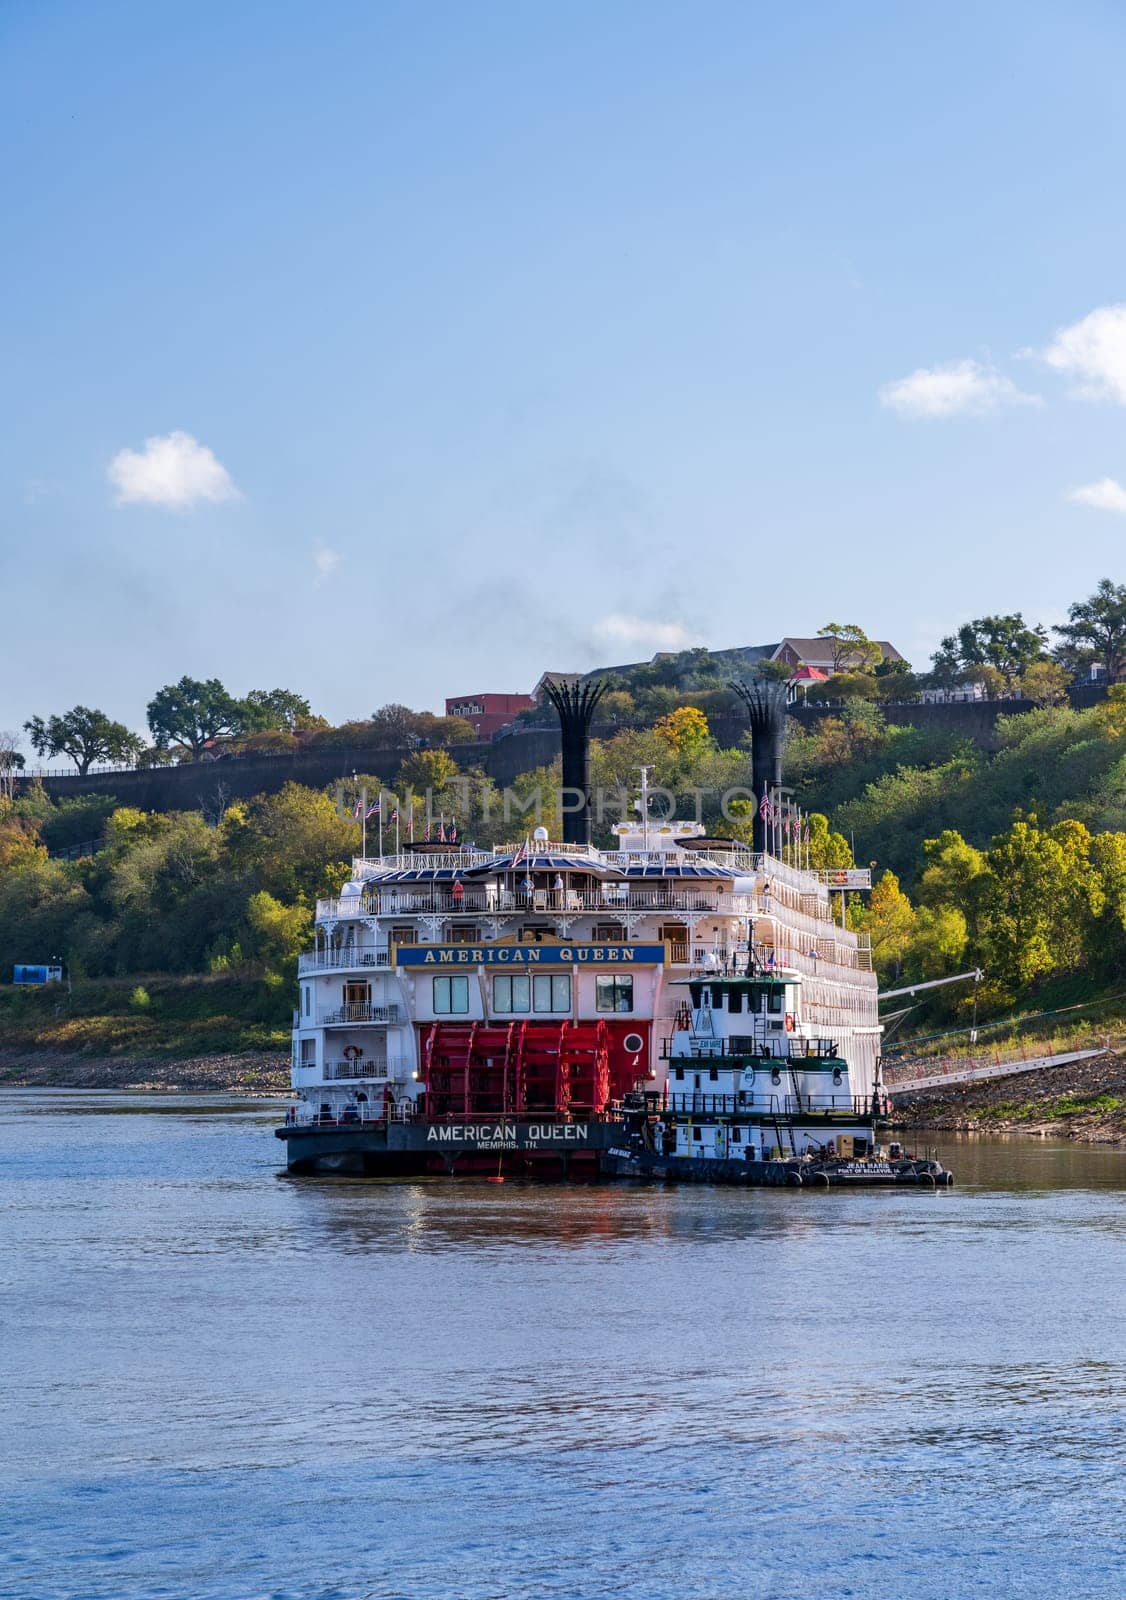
(608, 933)
(774, 1001)
(680, 1074)
(308, 1052)
(465, 933)
(512, 993)
(614, 994)
(735, 1000)
(451, 996)
(736, 1136)
(305, 996)
(696, 1133)
(551, 993)
(713, 1074)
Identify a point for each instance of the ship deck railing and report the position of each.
(496, 901)
(367, 1067)
(351, 955)
(748, 1103)
(748, 1047)
(361, 1012)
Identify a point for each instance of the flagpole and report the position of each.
(396, 830)
(364, 820)
(379, 814)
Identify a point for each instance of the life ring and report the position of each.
(352, 1052)
(789, 1022)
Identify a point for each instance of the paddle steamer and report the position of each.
(676, 1005)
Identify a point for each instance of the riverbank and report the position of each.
(1084, 1101)
(249, 1072)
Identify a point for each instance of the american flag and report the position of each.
(372, 811)
(453, 832)
(358, 808)
(520, 854)
(765, 810)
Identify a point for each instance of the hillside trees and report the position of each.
(1005, 644)
(1096, 631)
(85, 735)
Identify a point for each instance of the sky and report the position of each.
(389, 352)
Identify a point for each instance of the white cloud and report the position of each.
(326, 562)
(1105, 495)
(1093, 351)
(172, 470)
(961, 388)
(639, 633)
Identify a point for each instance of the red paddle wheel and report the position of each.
(523, 1069)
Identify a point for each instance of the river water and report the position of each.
(220, 1381)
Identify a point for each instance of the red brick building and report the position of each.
(488, 712)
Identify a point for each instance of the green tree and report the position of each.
(273, 710)
(192, 714)
(889, 919)
(280, 932)
(293, 844)
(827, 850)
(1096, 631)
(1045, 683)
(852, 650)
(1006, 643)
(427, 769)
(85, 735)
(1108, 858)
(686, 732)
(953, 872)
(938, 942)
(1036, 907)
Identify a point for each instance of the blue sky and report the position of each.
(477, 339)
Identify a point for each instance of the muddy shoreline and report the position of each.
(249, 1074)
(1082, 1100)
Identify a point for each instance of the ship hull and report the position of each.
(554, 1151)
(543, 1148)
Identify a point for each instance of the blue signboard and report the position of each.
(28, 974)
(529, 955)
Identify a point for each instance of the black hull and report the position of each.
(545, 1150)
(794, 1174)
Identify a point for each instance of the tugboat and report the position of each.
(755, 1096)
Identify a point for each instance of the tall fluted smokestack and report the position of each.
(575, 704)
(766, 708)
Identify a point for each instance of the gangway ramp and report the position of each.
(933, 1076)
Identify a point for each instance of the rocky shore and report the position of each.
(249, 1074)
(1082, 1100)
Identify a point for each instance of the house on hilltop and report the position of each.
(822, 653)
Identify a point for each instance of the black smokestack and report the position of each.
(766, 708)
(575, 704)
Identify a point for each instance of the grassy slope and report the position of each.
(185, 1017)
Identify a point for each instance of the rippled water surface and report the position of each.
(220, 1381)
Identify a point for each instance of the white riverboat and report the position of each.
(541, 984)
